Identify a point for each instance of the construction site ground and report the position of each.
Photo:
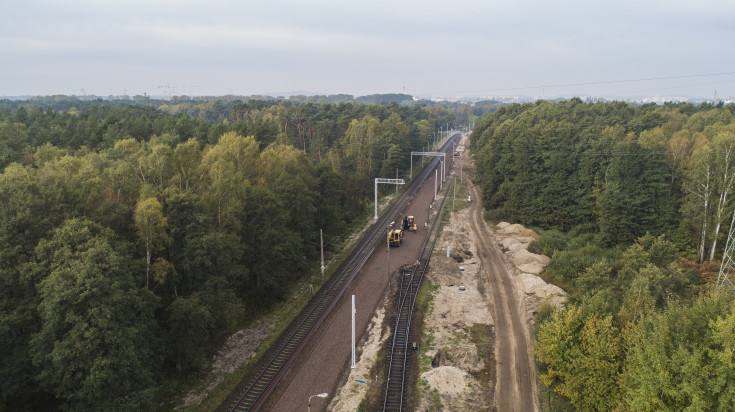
(466, 362)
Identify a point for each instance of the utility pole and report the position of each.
(321, 240)
(397, 185)
(387, 245)
(441, 181)
(353, 333)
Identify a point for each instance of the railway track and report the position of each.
(401, 344)
(253, 391)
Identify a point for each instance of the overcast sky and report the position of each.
(425, 47)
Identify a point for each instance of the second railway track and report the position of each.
(401, 343)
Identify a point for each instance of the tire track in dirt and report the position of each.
(515, 370)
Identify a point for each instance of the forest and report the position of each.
(134, 232)
(633, 204)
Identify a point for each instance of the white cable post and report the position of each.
(436, 171)
(353, 332)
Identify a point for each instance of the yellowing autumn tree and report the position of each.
(151, 225)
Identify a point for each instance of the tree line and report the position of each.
(132, 234)
(611, 168)
(629, 200)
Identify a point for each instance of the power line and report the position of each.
(658, 89)
(600, 82)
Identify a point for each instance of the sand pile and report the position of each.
(514, 240)
(448, 380)
(539, 292)
(453, 306)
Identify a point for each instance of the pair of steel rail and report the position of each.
(401, 342)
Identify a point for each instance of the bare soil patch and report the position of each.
(237, 351)
(460, 374)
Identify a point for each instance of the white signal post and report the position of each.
(353, 333)
(389, 181)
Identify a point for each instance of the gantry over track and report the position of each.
(254, 390)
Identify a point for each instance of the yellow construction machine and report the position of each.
(395, 237)
(409, 223)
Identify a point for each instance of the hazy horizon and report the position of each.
(426, 49)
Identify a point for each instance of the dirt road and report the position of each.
(515, 368)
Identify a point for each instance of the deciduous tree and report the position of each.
(151, 226)
(93, 350)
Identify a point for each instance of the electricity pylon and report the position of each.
(728, 264)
